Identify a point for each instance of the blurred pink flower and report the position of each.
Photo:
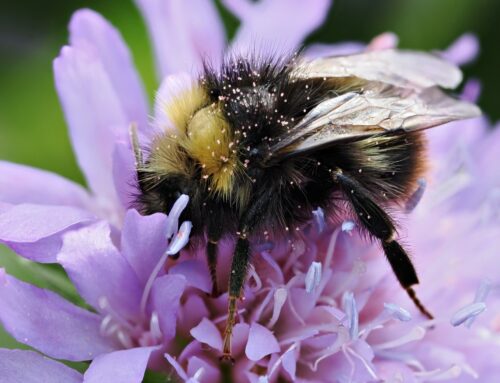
(322, 307)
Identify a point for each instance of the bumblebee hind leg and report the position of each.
(380, 225)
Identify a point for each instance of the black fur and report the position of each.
(262, 101)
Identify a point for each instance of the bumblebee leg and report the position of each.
(239, 266)
(380, 225)
(236, 280)
(214, 234)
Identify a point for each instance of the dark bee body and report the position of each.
(260, 100)
(257, 145)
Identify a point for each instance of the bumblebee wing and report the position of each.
(406, 69)
(380, 109)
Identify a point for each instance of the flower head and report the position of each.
(319, 306)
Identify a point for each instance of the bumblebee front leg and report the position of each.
(380, 225)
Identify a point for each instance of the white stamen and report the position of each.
(319, 218)
(181, 238)
(407, 359)
(277, 363)
(467, 312)
(173, 216)
(198, 374)
(482, 292)
(262, 306)
(351, 310)
(364, 362)
(154, 326)
(331, 248)
(149, 283)
(415, 334)
(439, 374)
(253, 274)
(116, 317)
(178, 368)
(313, 277)
(295, 313)
(105, 323)
(397, 312)
(125, 339)
(280, 296)
(348, 226)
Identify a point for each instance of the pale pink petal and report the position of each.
(45, 321)
(261, 342)
(124, 366)
(193, 311)
(24, 184)
(387, 40)
(165, 298)
(463, 50)
(143, 241)
(100, 273)
(34, 231)
(240, 338)
(24, 366)
(183, 33)
(207, 372)
(89, 28)
(275, 25)
(206, 332)
(95, 116)
(195, 272)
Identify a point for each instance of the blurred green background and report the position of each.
(32, 127)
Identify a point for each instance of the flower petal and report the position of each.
(183, 33)
(264, 22)
(261, 342)
(203, 370)
(206, 332)
(143, 241)
(123, 366)
(94, 113)
(31, 367)
(99, 271)
(463, 50)
(196, 274)
(24, 184)
(34, 231)
(90, 28)
(45, 321)
(124, 174)
(165, 297)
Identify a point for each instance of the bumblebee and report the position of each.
(259, 143)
